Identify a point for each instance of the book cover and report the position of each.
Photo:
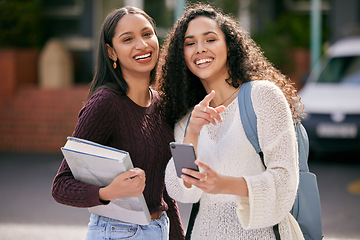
(97, 164)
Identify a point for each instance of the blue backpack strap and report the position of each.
(187, 124)
(247, 115)
(303, 145)
(249, 121)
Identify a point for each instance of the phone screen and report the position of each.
(184, 157)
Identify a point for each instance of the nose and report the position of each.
(200, 48)
(141, 44)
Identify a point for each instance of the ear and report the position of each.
(111, 52)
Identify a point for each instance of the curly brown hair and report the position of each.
(181, 90)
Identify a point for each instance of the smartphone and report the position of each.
(184, 157)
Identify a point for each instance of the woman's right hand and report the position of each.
(128, 184)
(204, 114)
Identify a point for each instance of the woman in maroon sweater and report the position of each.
(123, 112)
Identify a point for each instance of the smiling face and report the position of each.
(135, 45)
(205, 50)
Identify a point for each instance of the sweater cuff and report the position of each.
(93, 191)
(257, 205)
(243, 211)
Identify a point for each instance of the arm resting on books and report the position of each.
(69, 191)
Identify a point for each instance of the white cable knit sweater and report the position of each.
(225, 148)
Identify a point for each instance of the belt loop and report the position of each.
(96, 218)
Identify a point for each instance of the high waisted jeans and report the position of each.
(110, 229)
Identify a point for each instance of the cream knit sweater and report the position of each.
(225, 148)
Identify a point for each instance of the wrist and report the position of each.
(235, 186)
(191, 135)
(104, 194)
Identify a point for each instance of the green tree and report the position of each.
(21, 23)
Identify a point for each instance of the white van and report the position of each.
(332, 99)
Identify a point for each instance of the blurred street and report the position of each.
(28, 212)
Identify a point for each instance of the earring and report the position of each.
(114, 65)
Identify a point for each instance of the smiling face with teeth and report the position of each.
(205, 50)
(135, 46)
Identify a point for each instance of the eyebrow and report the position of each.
(204, 34)
(144, 29)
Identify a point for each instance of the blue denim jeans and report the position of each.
(105, 228)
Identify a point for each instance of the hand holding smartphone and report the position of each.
(184, 157)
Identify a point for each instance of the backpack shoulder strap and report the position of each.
(249, 122)
(247, 115)
(303, 145)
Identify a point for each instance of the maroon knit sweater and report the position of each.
(118, 122)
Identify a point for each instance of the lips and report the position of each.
(143, 56)
(203, 62)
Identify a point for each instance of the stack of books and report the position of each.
(97, 164)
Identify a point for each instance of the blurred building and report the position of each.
(38, 110)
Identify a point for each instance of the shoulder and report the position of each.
(269, 101)
(100, 102)
(265, 86)
(103, 95)
(266, 91)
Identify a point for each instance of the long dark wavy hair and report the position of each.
(105, 75)
(181, 90)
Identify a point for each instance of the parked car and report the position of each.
(331, 96)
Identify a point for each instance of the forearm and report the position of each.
(235, 186)
(69, 191)
(192, 137)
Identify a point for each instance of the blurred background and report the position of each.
(47, 53)
(47, 60)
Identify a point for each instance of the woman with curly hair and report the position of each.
(205, 60)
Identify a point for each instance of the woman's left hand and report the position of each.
(211, 182)
(208, 180)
